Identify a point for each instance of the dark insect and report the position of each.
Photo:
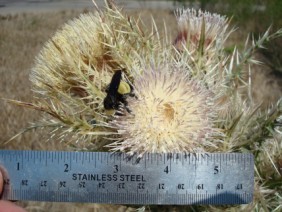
(117, 92)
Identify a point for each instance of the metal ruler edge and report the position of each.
(116, 178)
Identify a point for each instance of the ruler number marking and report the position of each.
(121, 186)
(141, 186)
(101, 185)
(161, 186)
(62, 184)
(66, 166)
(219, 186)
(239, 186)
(116, 168)
(216, 169)
(200, 186)
(166, 170)
(82, 184)
(137, 161)
(180, 186)
(43, 183)
(24, 183)
(18, 166)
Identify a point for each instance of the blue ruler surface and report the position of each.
(116, 178)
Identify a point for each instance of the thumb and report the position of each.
(1, 181)
(6, 206)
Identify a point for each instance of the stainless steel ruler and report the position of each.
(115, 178)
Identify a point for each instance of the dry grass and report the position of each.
(21, 38)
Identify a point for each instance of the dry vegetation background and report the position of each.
(21, 38)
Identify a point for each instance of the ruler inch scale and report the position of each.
(116, 178)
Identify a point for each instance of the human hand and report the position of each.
(6, 206)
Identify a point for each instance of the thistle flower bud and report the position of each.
(199, 29)
(170, 113)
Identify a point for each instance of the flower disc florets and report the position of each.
(169, 113)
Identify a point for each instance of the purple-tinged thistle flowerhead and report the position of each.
(196, 28)
(169, 113)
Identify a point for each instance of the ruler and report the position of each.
(116, 178)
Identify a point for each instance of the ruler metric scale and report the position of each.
(116, 178)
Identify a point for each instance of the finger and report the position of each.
(6, 206)
(1, 182)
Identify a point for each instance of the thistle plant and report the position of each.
(106, 83)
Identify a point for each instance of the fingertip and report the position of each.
(6, 206)
(1, 181)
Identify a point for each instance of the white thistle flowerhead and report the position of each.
(169, 113)
(196, 28)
